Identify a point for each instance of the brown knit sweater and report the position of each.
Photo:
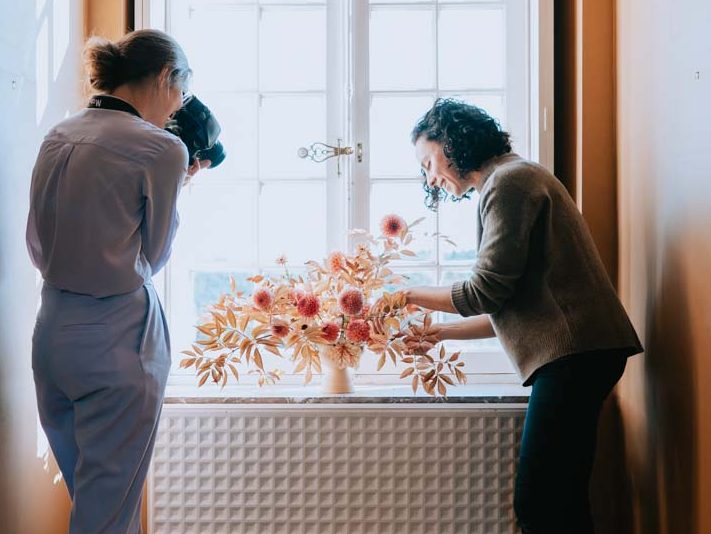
(538, 273)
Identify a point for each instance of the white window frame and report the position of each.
(348, 117)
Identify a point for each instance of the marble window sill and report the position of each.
(376, 394)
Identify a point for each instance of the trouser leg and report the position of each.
(558, 446)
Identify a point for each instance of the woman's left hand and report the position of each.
(199, 164)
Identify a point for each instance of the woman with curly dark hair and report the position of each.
(538, 284)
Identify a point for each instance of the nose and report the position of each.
(431, 180)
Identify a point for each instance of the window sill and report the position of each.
(493, 394)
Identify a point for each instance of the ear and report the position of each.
(164, 77)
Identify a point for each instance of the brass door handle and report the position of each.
(319, 152)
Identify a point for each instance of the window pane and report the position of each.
(299, 61)
(413, 278)
(287, 123)
(401, 49)
(494, 105)
(292, 221)
(212, 230)
(480, 60)
(209, 32)
(458, 221)
(237, 115)
(406, 200)
(208, 286)
(391, 121)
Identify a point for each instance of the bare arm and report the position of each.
(478, 327)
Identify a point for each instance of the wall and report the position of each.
(664, 173)
(39, 65)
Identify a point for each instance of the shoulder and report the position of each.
(125, 135)
(516, 176)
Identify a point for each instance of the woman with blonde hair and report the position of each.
(101, 222)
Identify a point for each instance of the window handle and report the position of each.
(319, 152)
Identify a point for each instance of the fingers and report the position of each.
(197, 165)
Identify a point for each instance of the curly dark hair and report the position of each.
(469, 137)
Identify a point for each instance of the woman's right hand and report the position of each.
(422, 344)
(195, 168)
(198, 165)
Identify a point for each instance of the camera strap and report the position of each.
(113, 103)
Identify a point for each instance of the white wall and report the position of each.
(40, 43)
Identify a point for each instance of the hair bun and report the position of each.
(104, 64)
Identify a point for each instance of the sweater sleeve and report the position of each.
(508, 214)
(161, 185)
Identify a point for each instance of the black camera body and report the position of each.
(198, 128)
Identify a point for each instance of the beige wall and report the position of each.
(664, 169)
(39, 66)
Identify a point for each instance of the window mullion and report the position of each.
(359, 187)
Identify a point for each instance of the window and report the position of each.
(282, 74)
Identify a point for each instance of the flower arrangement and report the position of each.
(334, 312)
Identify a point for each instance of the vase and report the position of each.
(333, 378)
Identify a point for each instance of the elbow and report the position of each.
(471, 297)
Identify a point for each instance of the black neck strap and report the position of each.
(111, 102)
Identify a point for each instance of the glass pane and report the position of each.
(391, 121)
(208, 286)
(458, 221)
(287, 123)
(412, 279)
(480, 60)
(292, 221)
(406, 200)
(292, 49)
(401, 49)
(237, 115)
(212, 229)
(209, 34)
(494, 105)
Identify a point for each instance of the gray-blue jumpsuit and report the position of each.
(101, 222)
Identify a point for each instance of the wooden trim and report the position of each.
(585, 132)
(108, 18)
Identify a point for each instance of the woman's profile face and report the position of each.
(172, 103)
(438, 169)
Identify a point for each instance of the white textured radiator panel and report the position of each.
(320, 470)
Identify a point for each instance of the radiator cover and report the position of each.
(323, 469)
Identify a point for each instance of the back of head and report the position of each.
(468, 134)
(134, 58)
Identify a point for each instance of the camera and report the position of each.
(198, 128)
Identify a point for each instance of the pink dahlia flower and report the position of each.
(330, 331)
(358, 331)
(280, 330)
(263, 299)
(308, 305)
(351, 301)
(336, 261)
(392, 225)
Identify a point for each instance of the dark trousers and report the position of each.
(558, 442)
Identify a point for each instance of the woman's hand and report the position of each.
(195, 167)
(425, 342)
